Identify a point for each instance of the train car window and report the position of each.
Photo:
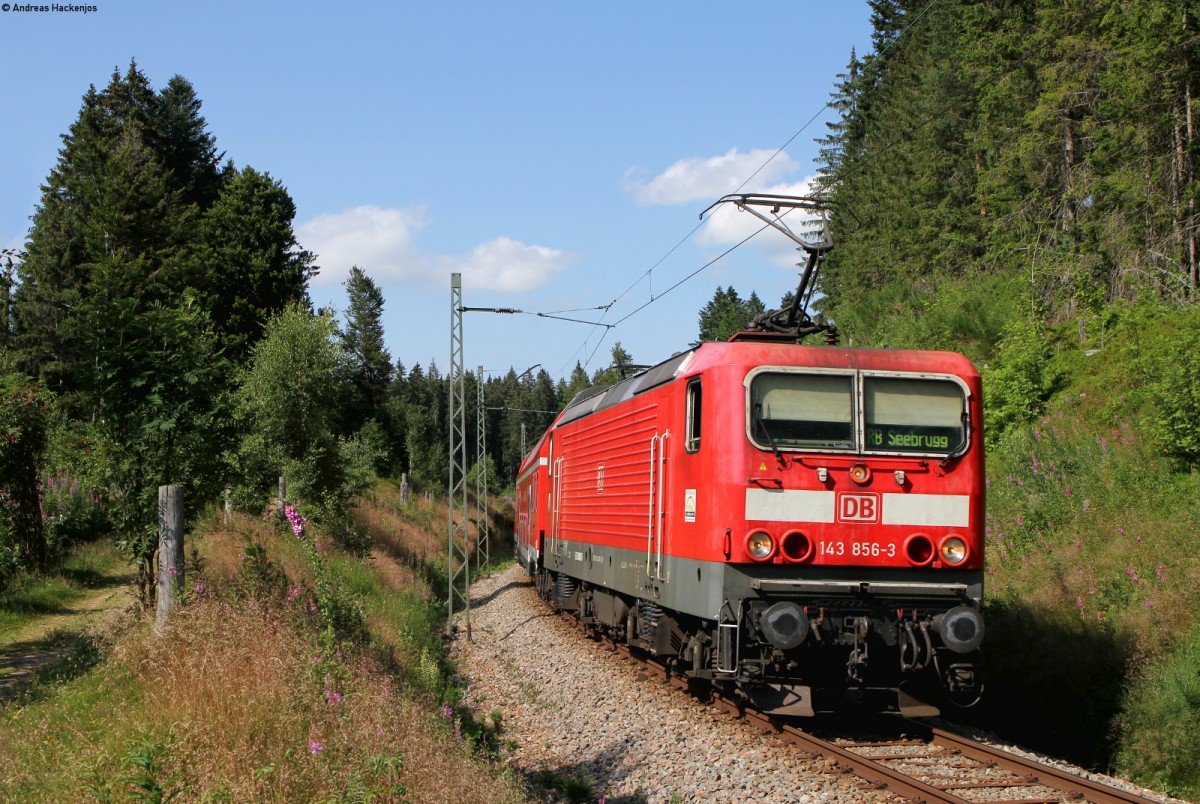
(793, 410)
(694, 399)
(914, 415)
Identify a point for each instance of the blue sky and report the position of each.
(553, 153)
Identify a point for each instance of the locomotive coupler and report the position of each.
(859, 653)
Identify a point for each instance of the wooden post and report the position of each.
(228, 505)
(282, 497)
(170, 551)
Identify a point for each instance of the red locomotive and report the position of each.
(801, 523)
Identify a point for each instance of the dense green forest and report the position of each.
(1018, 181)
(1001, 159)
(1012, 180)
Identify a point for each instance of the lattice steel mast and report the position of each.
(459, 564)
(481, 532)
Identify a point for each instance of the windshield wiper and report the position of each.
(762, 425)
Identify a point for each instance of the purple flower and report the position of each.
(292, 595)
(1079, 603)
(297, 521)
(333, 696)
(447, 712)
(201, 588)
(315, 747)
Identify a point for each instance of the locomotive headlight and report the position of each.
(760, 545)
(954, 550)
(860, 473)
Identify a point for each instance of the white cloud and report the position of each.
(508, 266)
(708, 178)
(380, 241)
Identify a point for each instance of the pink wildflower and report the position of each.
(297, 521)
(315, 747)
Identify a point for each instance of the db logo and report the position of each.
(861, 507)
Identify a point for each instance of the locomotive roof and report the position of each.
(756, 353)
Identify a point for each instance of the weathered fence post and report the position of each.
(170, 551)
(228, 505)
(403, 488)
(282, 497)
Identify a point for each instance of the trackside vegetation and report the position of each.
(294, 671)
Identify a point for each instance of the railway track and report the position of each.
(915, 760)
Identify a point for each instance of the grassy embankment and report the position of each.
(1093, 583)
(293, 672)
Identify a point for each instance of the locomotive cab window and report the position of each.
(694, 399)
(802, 411)
(904, 414)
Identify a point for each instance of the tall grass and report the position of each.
(246, 697)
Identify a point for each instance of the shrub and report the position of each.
(1178, 392)
(73, 513)
(1020, 380)
(1160, 726)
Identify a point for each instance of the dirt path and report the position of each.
(24, 653)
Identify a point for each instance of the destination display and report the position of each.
(911, 438)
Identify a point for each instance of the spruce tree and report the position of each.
(369, 366)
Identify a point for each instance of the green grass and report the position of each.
(1093, 579)
(31, 596)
